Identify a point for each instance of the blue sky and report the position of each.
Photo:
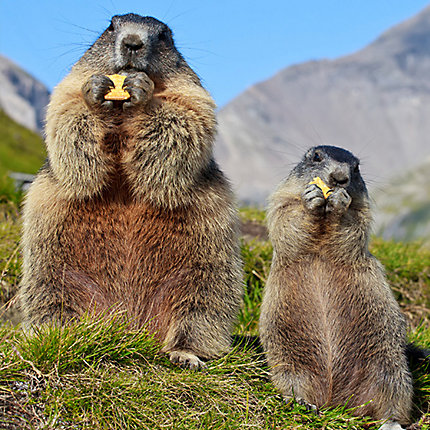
(231, 44)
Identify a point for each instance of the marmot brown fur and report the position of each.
(330, 326)
(130, 211)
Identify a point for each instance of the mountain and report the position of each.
(375, 102)
(22, 96)
(402, 207)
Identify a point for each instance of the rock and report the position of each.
(22, 96)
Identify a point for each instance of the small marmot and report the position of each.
(130, 211)
(330, 326)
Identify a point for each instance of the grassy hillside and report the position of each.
(21, 150)
(104, 375)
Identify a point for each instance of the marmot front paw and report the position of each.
(338, 202)
(95, 89)
(313, 199)
(140, 88)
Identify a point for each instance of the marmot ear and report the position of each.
(309, 152)
(357, 167)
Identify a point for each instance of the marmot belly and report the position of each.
(329, 330)
(126, 255)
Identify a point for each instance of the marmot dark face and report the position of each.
(133, 43)
(337, 167)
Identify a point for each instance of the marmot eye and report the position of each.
(111, 27)
(357, 168)
(317, 157)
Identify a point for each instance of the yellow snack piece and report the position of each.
(117, 93)
(320, 184)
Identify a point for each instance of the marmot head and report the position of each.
(337, 167)
(133, 43)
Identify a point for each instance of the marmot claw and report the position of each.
(313, 199)
(338, 201)
(95, 89)
(186, 359)
(140, 88)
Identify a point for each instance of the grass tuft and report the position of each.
(105, 339)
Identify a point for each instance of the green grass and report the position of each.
(10, 261)
(421, 375)
(21, 150)
(408, 271)
(257, 257)
(252, 214)
(102, 374)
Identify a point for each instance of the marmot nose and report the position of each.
(339, 177)
(132, 43)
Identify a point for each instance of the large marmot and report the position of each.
(130, 211)
(330, 325)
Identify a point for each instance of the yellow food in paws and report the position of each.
(320, 184)
(117, 93)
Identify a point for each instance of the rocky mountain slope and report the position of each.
(22, 97)
(375, 102)
(402, 207)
